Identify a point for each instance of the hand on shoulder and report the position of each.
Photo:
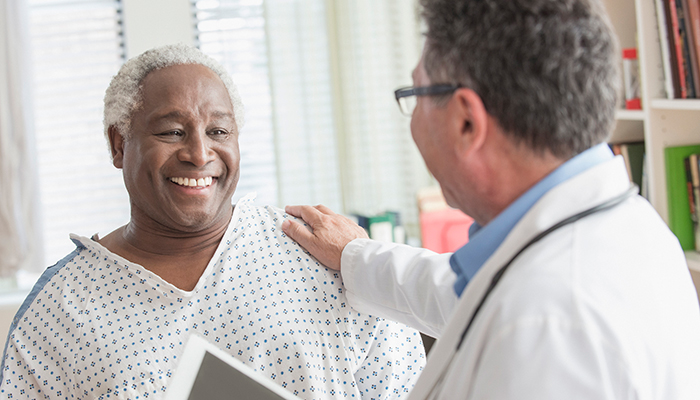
(329, 234)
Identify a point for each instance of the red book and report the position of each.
(677, 45)
(693, 22)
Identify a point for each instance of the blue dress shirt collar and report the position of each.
(483, 241)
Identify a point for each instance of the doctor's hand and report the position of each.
(329, 235)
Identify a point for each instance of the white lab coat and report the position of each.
(603, 308)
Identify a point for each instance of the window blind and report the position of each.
(233, 32)
(302, 87)
(378, 44)
(317, 78)
(76, 48)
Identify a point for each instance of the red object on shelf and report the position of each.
(445, 230)
(633, 104)
(629, 53)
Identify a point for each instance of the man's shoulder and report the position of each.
(72, 258)
(50, 282)
(246, 211)
(79, 265)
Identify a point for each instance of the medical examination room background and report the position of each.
(316, 77)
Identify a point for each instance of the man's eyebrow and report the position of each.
(222, 114)
(169, 115)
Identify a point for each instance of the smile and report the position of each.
(189, 182)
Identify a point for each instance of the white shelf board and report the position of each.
(629, 115)
(693, 259)
(676, 104)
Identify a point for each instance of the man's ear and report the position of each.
(116, 146)
(472, 119)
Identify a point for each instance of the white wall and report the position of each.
(151, 23)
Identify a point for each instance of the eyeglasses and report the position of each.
(406, 97)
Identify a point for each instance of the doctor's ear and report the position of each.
(116, 146)
(467, 126)
(473, 117)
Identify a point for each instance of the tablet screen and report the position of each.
(206, 372)
(218, 380)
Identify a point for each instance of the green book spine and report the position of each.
(677, 192)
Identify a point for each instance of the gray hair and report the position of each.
(547, 70)
(125, 95)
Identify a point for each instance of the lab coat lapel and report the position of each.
(586, 190)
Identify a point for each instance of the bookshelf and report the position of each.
(662, 122)
(629, 115)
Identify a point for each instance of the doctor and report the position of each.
(571, 286)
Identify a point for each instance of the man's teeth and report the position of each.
(201, 182)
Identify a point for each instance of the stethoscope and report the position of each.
(632, 191)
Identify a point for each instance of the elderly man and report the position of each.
(112, 318)
(571, 286)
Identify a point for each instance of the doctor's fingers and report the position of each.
(308, 212)
(327, 252)
(298, 232)
(312, 215)
(325, 210)
(328, 226)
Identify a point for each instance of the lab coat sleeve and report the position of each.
(403, 283)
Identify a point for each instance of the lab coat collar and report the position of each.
(590, 188)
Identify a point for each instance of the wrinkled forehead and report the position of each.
(193, 81)
(179, 75)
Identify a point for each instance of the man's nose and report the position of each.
(196, 149)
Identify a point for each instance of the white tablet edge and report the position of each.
(196, 347)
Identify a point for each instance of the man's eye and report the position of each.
(170, 133)
(218, 132)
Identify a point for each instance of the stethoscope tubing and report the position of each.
(632, 191)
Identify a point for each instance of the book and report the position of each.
(206, 372)
(693, 27)
(695, 200)
(625, 156)
(385, 227)
(634, 154)
(381, 228)
(676, 47)
(644, 189)
(691, 192)
(616, 149)
(665, 51)
(679, 220)
(690, 75)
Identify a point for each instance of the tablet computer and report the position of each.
(207, 372)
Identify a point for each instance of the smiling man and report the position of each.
(112, 318)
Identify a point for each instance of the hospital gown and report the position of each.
(97, 326)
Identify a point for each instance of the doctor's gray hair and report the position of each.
(547, 70)
(125, 95)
